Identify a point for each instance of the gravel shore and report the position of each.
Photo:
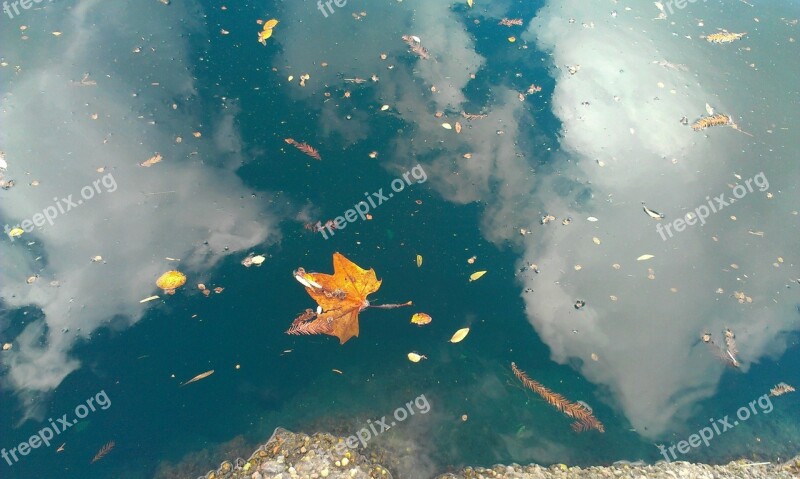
(288, 455)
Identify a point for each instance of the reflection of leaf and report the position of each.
(341, 297)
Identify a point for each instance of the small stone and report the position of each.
(324, 472)
(345, 461)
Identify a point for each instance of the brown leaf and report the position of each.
(340, 296)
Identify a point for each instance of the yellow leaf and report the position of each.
(476, 275)
(469, 2)
(459, 335)
(421, 319)
(415, 358)
(270, 24)
(512, 39)
(644, 257)
(419, 261)
(15, 232)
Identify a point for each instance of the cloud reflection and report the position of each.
(188, 207)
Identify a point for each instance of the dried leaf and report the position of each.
(459, 335)
(476, 275)
(342, 297)
(415, 358)
(152, 161)
(421, 319)
(199, 377)
(103, 451)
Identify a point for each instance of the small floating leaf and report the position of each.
(419, 261)
(459, 335)
(421, 319)
(384, 107)
(447, 126)
(415, 358)
(149, 298)
(644, 257)
(476, 275)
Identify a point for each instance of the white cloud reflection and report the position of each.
(187, 207)
(647, 341)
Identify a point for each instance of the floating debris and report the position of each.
(724, 37)
(459, 335)
(720, 119)
(510, 22)
(415, 358)
(149, 298)
(415, 46)
(152, 161)
(419, 261)
(266, 32)
(170, 281)
(305, 148)
(7, 346)
(421, 319)
(103, 451)
(476, 275)
(584, 420)
(645, 257)
(199, 377)
(580, 304)
(253, 259)
(780, 389)
(651, 213)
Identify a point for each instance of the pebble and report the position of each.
(321, 453)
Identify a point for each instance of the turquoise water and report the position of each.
(602, 136)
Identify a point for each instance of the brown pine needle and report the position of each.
(103, 451)
(584, 418)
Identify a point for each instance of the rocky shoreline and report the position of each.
(289, 455)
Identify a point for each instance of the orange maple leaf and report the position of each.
(341, 296)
